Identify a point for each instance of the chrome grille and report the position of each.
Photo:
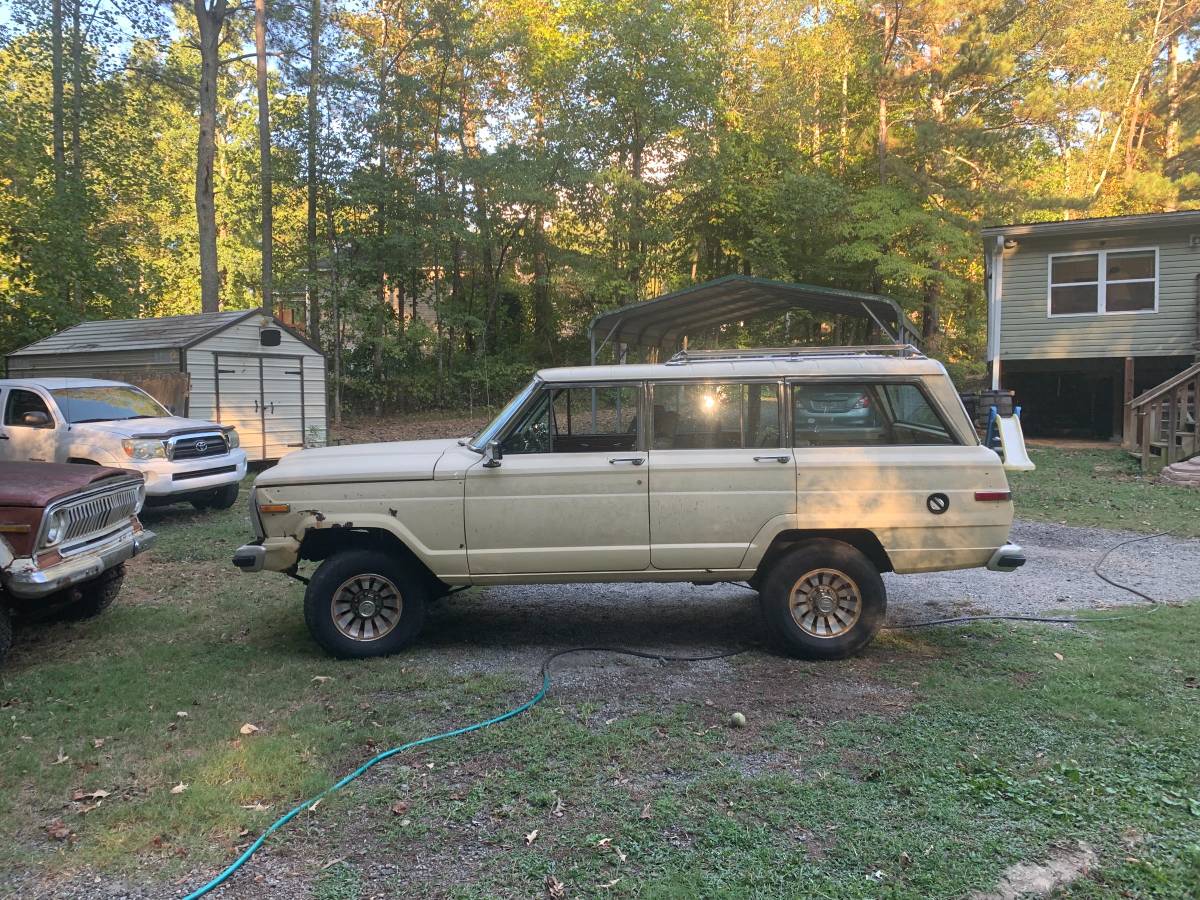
(95, 514)
(197, 446)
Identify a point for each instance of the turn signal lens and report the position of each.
(275, 508)
(993, 495)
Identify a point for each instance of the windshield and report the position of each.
(489, 432)
(106, 404)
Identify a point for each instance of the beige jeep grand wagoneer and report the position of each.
(804, 473)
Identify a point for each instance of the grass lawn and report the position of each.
(1102, 488)
(922, 769)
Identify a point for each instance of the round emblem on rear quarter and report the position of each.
(201, 446)
(937, 503)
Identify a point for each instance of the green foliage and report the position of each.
(493, 173)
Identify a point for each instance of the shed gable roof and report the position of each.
(169, 332)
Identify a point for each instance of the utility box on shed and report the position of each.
(240, 368)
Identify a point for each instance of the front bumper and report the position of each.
(29, 582)
(168, 477)
(1008, 558)
(272, 555)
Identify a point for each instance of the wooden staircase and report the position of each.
(1163, 426)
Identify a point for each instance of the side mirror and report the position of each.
(36, 419)
(492, 454)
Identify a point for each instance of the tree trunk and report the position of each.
(77, 152)
(1172, 135)
(335, 292)
(56, 107)
(543, 308)
(209, 23)
(314, 54)
(844, 124)
(264, 148)
(881, 91)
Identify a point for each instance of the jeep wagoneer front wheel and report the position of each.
(363, 603)
(823, 600)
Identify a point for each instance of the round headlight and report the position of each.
(55, 528)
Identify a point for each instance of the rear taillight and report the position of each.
(862, 402)
(993, 496)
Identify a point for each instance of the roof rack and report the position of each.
(900, 351)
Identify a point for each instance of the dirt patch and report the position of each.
(1024, 880)
(415, 427)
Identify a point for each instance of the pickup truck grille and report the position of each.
(95, 514)
(200, 445)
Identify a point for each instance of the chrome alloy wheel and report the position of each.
(366, 607)
(825, 603)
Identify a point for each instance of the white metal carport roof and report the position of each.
(666, 320)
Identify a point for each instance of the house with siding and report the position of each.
(1089, 319)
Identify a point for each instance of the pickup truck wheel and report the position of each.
(98, 594)
(363, 603)
(823, 600)
(6, 633)
(218, 498)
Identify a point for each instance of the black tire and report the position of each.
(355, 573)
(93, 597)
(6, 633)
(832, 580)
(218, 498)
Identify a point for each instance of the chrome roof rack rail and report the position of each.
(900, 351)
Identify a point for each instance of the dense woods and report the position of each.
(455, 187)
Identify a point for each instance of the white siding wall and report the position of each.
(1027, 332)
(239, 389)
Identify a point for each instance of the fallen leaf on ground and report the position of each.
(181, 715)
(399, 808)
(559, 807)
(321, 679)
(555, 888)
(531, 837)
(179, 788)
(97, 743)
(248, 729)
(645, 813)
(58, 830)
(609, 884)
(60, 759)
(257, 806)
(314, 806)
(89, 795)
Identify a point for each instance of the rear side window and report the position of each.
(715, 416)
(865, 414)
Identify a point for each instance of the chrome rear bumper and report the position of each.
(1008, 558)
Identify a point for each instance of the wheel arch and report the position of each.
(861, 539)
(320, 544)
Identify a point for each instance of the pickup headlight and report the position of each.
(232, 439)
(141, 449)
(55, 528)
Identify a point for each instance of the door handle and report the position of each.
(3, 437)
(256, 406)
(779, 459)
(635, 460)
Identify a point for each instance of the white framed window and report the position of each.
(1103, 282)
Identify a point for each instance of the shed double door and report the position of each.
(263, 397)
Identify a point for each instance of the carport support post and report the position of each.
(1127, 430)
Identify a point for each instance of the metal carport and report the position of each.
(665, 321)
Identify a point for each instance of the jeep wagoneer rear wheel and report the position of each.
(823, 600)
(364, 603)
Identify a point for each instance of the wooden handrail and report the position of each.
(1166, 387)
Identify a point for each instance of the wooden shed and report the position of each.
(240, 368)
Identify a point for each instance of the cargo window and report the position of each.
(715, 416)
(863, 414)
